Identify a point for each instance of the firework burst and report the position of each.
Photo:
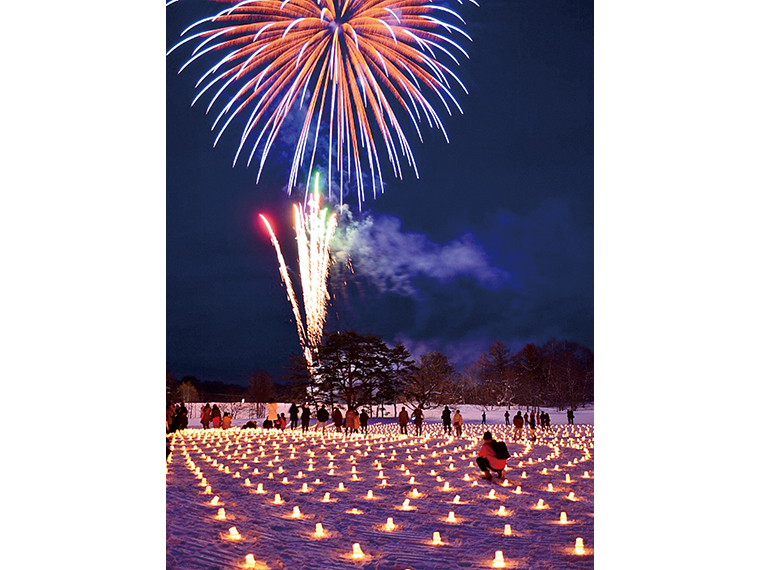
(356, 70)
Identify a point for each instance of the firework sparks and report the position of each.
(314, 229)
(353, 64)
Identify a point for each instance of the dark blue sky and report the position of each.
(494, 241)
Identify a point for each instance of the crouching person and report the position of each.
(492, 457)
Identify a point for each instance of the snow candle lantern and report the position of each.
(389, 524)
(437, 538)
(277, 499)
(563, 517)
(221, 515)
(405, 506)
(356, 551)
(233, 534)
(319, 532)
(250, 561)
(498, 560)
(507, 530)
(451, 518)
(579, 546)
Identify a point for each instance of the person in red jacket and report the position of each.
(487, 460)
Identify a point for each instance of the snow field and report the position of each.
(273, 488)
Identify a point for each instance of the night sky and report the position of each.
(494, 241)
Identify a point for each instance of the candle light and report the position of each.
(233, 534)
(215, 500)
(369, 494)
(277, 499)
(250, 561)
(518, 490)
(507, 530)
(451, 518)
(326, 498)
(415, 494)
(437, 538)
(389, 524)
(563, 517)
(319, 531)
(492, 494)
(406, 506)
(456, 499)
(498, 560)
(357, 551)
(502, 511)
(579, 546)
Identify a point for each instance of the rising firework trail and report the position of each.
(314, 230)
(359, 68)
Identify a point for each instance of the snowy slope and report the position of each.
(282, 462)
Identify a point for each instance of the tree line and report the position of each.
(362, 370)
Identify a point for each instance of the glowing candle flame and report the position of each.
(406, 506)
(415, 493)
(567, 478)
(498, 560)
(518, 490)
(250, 561)
(221, 515)
(260, 488)
(326, 498)
(446, 486)
(277, 499)
(357, 551)
(491, 494)
(247, 482)
(563, 517)
(451, 517)
(296, 513)
(540, 504)
(502, 511)
(369, 494)
(456, 499)
(389, 524)
(579, 546)
(437, 538)
(234, 534)
(550, 488)
(507, 530)
(304, 488)
(318, 530)
(215, 500)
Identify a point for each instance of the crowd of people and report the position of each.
(355, 421)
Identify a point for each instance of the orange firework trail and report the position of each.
(358, 66)
(314, 229)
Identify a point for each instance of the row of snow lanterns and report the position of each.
(233, 535)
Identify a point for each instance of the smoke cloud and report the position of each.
(392, 260)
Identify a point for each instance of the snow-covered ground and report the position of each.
(545, 478)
